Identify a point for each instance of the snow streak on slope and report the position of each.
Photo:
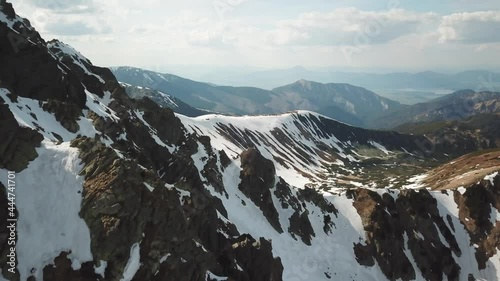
(61, 50)
(468, 262)
(49, 190)
(164, 100)
(133, 263)
(29, 113)
(297, 142)
(48, 197)
(330, 255)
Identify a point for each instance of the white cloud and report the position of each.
(154, 32)
(55, 18)
(286, 36)
(471, 28)
(76, 28)
(351, 26)
(65, 6)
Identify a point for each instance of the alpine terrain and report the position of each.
(108, 187)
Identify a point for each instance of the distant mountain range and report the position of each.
(350, 104)
(343, 102)
(457, 106)
(426, 80)
(429, 80)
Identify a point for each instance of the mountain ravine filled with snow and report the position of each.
(111, 188)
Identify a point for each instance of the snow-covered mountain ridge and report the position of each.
(162, 99)
(109, 188)
(303, 145)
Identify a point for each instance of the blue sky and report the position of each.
(352, 34)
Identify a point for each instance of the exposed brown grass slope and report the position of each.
(465, 170)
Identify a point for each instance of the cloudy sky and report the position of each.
(386, 34)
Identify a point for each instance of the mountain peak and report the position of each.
(298, 68)
(7, 9)
(304, 83)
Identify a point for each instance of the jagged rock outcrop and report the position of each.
(116, 202)
(475, 206)
(412, 220)
(63, 270)
(384, 235)
(66, 113)
(211, 172)
(257, 179)
(418, 213)
(284, 194)
(249, 251)
(301, 226)
(157, 117)
(17, 144)
(328, 209)
(43, 79)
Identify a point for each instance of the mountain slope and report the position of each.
(456, 106)
(356, 101)
(303, 144)
(343, 102)
(393, 242)
(237, 100)
(466, 170)
(163, 100)
(474, 133)
(111, 188)
(91, 204)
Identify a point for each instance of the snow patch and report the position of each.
(101, 269)
(379, 147)
(211, 276)
(29, 113)
(416, 182)
(48, 198)
(491, 177)
(77, 57)
(164, 258)
(149, 187)
(133, 263)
